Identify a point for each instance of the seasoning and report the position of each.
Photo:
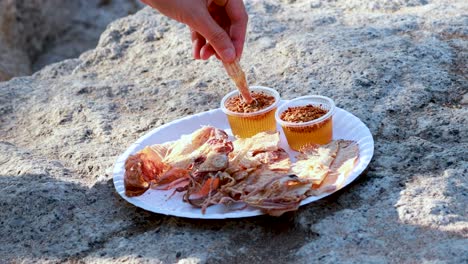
(261, 101)
(301, 114)
(301, 124)
(247, 120)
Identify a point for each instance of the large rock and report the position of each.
(35, 33)
(24, 26)
(403, 73)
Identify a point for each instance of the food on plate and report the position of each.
(261, 170)
(314, 161)
(248, 119)
(342, 165)
(168, 165)
(249, 153)
(307, 120)
(209, 169)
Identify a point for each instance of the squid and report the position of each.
(167, 166)
(210, 169)
(236, 73)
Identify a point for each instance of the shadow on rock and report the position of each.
(46, 218)
(43, 217)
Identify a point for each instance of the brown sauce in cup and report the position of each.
(261, 101)
(301, 114)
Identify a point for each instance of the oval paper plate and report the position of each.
(345, 126)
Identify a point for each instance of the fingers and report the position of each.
(217, 37)
(198, 41)
(235, 9)
(201, 49)
(207, 51)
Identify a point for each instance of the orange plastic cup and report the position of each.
(245, 125)
(317, 131)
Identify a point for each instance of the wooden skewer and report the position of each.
(234, 71)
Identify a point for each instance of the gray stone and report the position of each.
(402, 73)
(39, 32)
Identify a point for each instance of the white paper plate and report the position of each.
(345, 126)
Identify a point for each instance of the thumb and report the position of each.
(217, 38)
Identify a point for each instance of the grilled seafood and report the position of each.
(319, 169)
(250, 153)
(252, 160)
(270, 187)
(282, 193)
(168, 165)
(210, 169)
(141, 170)
(314, 161)
(234, 71)
(341, 167)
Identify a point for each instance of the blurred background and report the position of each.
(35, 33)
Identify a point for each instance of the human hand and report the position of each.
(217, 26)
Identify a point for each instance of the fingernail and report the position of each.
(229, 55)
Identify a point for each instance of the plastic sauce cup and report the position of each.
(317, 131)
(245, 125)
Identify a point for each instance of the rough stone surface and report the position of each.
(400, 67)
(24, 25)
(35, 33)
